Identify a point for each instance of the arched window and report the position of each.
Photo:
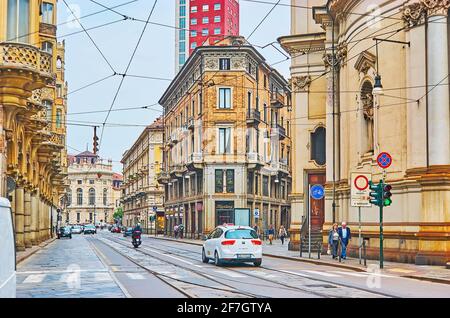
(318, 146)
(58, 62)
(367, 109)
(91, 196)
(79, 197)
(47, 47)
(105, 196)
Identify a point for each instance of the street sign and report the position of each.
(155, 208)
(384, 160)
(256, 213)
(360, 190)
(317, 192)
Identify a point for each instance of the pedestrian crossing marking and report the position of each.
(262, 274)
(135, 276)
(34, 279)
(321, 273)
(230, 274)
(101, 277)
(351, 274)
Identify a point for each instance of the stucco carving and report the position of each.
(301, 83)
(436, 7)
(413, 14)
(366, 60)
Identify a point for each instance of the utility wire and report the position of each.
(263, 19)
(126, 71)
(92, 40)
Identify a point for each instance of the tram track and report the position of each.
(265, 279)
(287, 273)
(161, 276)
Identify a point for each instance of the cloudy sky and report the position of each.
(116, 38)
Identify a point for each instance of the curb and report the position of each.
(429, 279)
(38, 248)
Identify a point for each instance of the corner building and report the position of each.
(337, 135)
(227, 141)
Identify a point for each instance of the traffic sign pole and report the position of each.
(309, 222)
(359, 218)
(381, 231)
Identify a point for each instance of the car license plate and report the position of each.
(244, 255)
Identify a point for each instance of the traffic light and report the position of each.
(376, 194)
(95, 148)
(387, 201)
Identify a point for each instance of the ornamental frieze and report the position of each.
(436, 7)
(413, 14)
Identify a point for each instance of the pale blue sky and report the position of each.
(155, 57)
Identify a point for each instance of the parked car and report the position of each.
(128, 231)
(90, 229)
(76, 229)
(7, 251)
(237, 244)
(115, 229)
(64, 231)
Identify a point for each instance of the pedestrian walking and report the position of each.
(282, 233)
(333, 240)
(271, 233)
(345, 235)
(256, 228)
(175, 230)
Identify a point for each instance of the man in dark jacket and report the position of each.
(345, 235)
(137, 228)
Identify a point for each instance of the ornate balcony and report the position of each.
(253, 117)
(195, 161)
(254, 160)
(163, 177)
(277, 100)
(278, 130)
(26, 65)
(281, 166)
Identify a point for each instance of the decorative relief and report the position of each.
(301, 83)
(238, 63)
(413, 14)
(366, 60)
(211, 63)
(47, 94)
(341, 53)
(436, 7)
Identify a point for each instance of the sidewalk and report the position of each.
(437, 274)
(21, 256)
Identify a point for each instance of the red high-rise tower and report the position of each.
(208, 22)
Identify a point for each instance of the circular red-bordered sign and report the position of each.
(384, 160)
(364, 181)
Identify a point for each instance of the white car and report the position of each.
(7, 252)
(237, 244)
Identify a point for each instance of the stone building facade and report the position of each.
(332, 46)
(227, 141)
(93, 190)
(33, 156)
(142, 195)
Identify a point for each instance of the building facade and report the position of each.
(227, 141)
(203, 22)
(93, 190)
(33, 164)
(142, 196)
(333, 50)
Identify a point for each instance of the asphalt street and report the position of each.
(106, 265)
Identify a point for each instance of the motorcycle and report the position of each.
(136, 239)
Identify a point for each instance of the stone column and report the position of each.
(438, 97)
(34, 219)
(41, 221)
(20, 220)
(27, 201)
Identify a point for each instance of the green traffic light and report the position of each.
(387, 202)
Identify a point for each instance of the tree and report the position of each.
(118, 214)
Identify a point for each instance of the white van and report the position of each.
(7, 251)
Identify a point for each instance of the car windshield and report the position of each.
(130, 229)
(89, 226)
(241, 234)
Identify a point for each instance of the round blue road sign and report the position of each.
(317, 192)
(384, 160)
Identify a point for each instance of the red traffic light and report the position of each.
(387, 187)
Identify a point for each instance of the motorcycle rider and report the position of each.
(136, 229)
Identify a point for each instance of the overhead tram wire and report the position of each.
(126, 71)
(89, 36)
(263, 19)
